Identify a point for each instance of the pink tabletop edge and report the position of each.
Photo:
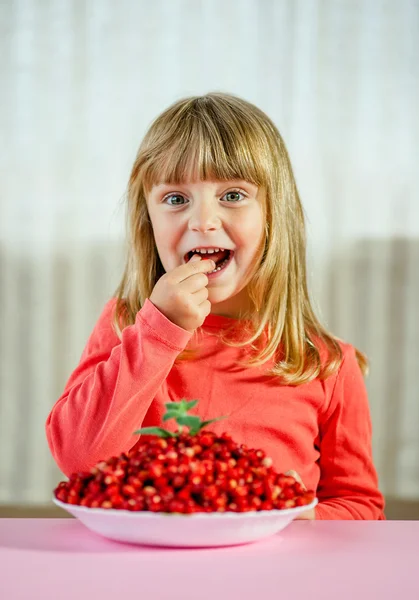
(334, 557)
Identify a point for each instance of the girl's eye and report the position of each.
(176, 198)
(233, 196)
(179, 200)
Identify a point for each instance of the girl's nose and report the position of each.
(205, 217)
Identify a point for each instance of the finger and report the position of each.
(195, 258)
(194, 283)
(206, 262)
(296, 477)
(200, 296)
(194, 266)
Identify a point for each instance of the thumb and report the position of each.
(195, 258)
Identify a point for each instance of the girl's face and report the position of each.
(211, 214)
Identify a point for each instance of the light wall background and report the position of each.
(80, 83)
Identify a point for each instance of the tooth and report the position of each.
(206, 251)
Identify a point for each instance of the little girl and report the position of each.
(213, 305)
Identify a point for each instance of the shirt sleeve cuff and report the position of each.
(162, 328)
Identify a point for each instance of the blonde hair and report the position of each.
(222, 137)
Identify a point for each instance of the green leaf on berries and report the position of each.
(159, 431)
(169, 415)
(205, 423)
(190, 404)
(179, 412)
(182, 406)
(178, 409)
(194, 423)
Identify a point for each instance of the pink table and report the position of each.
(339, 560)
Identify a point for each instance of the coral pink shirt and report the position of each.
(321, 429)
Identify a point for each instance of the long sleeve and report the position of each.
(108, 395)
(348, 487)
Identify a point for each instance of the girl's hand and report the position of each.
(309, 515)
(182, 294)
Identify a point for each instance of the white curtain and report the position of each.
(80, 83)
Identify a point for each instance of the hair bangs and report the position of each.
(200, 145)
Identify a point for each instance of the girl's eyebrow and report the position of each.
(234, 182)
(220, 182)
(241, 183)
(161, 188)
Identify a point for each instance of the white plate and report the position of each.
(183, 531)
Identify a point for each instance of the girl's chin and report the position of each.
(219, 296)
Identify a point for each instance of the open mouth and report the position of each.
(222, 258)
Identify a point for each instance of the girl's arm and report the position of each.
(348, 487)
(111, 390)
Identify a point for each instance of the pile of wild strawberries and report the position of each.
(186, 474)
